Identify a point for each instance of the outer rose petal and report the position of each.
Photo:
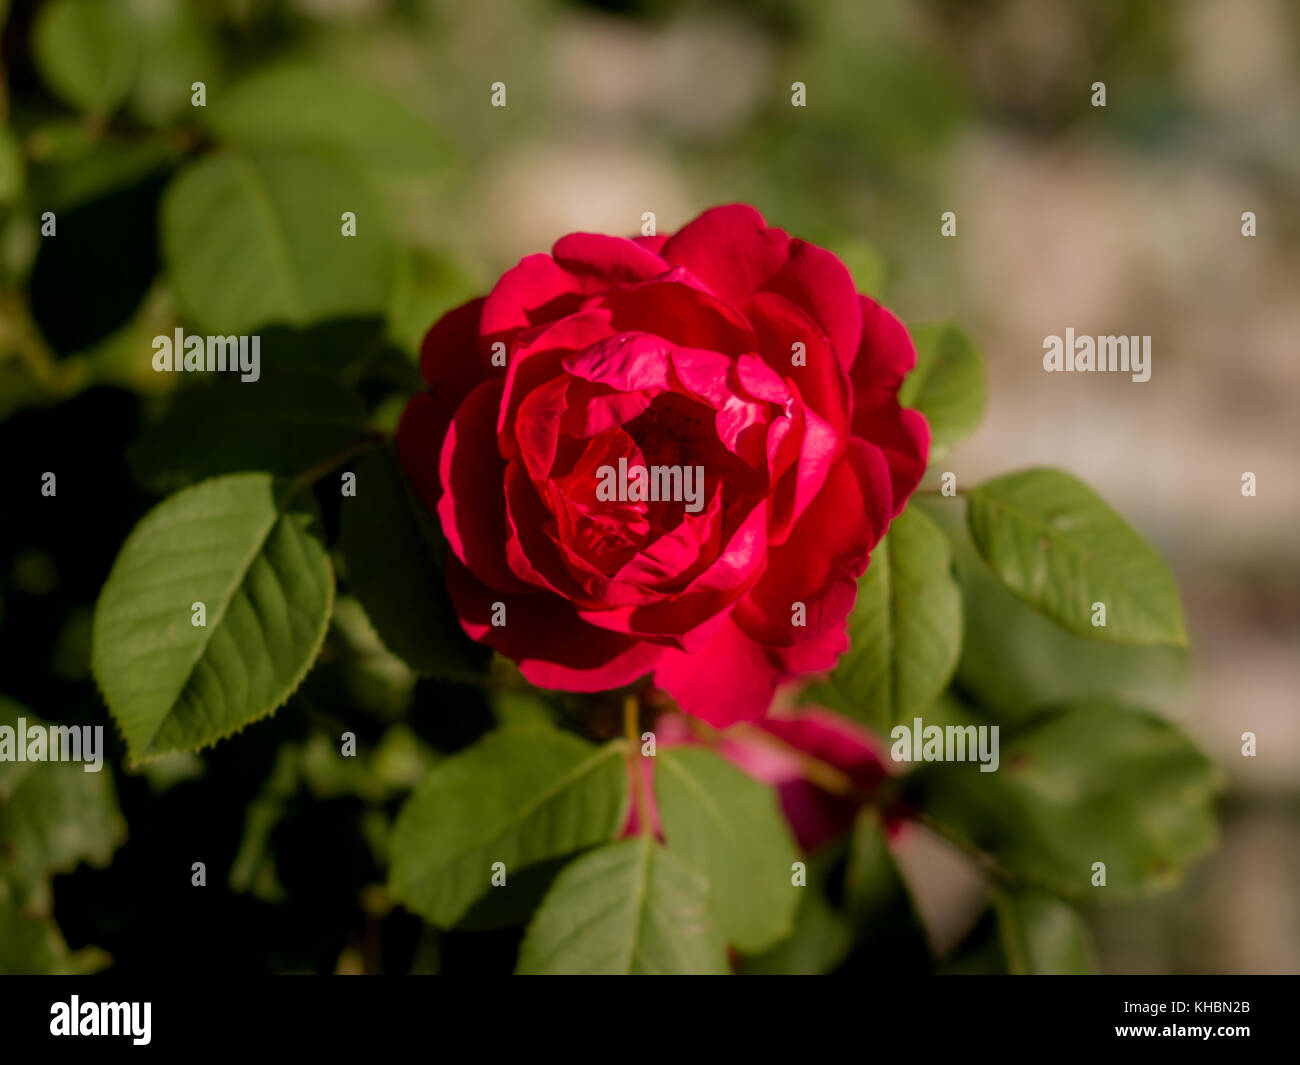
(420, 433)
(731, 249)
(536, 291)
(825, 554)
(453, 361)
(544, 635)
(821, 379)
(903, 437)
(819, 654)
(885, 356)
(734, 252)
(474, 521)
(612, 258)
(814, 279)
(886, 351)
(453, 354)
(729, 680)
(654, 244)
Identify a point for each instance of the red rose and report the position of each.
(670, 354)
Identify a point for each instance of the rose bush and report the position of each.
(728, 345)
(236, 586)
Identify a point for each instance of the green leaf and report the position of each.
(627, 908)
(341, 346)
(11, 167)
(72, 169)
(31, 944)
(388, 542)
(1041, 934)
(255, 238)
(177, 48)
(513, 908)
(285, 423)
(53, 815)
(253, 871)
(822, 937)
(519, 796)
(947, 384)
(309, 105)
(243, 546)
(1089, 783)
(905, 630)
(1055, 543)
(730, 827)
(86, 51)
(1018, 661)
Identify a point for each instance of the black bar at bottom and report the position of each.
(1238, 1015)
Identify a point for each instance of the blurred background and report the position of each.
(1123, 219)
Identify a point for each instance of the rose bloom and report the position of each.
(728, 346)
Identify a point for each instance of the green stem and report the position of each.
(632, 730)
(339, 457)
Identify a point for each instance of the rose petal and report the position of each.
(420, 433)
(826, 552)
(903, 438)
(821, 380)
(610, 258)
(676, 308)
(543, 634)
(629, 362)
(453, 354)
(815, 280)
(731, 249)
(728, 680)
(537, 291)
(688, 619)
(537, 359)
(885, 353)
(474, 521)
